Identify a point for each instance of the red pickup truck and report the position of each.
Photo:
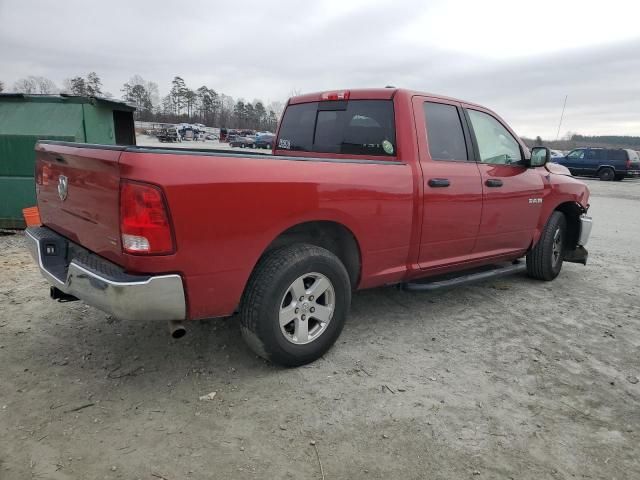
(363, 188)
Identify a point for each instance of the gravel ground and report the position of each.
(510, 378)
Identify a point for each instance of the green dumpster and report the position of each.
(25, 119)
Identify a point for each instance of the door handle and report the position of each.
(493, 182)
(438, 182)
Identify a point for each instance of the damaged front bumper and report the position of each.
(580, 254)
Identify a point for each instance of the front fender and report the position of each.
(564, 191)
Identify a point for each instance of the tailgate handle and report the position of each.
(60, 159)
(438, 182)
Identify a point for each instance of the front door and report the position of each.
(512, 192)
(452, 191)
(574, 162)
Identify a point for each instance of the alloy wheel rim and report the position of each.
(556, 249)
(306, 308)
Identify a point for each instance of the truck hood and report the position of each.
(557, 169)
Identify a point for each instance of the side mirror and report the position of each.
(540, 156)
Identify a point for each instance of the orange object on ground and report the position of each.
(31, 216)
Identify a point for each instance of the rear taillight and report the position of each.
(628, 164)
(144, 221)
(43, 173)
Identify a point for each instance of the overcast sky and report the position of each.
(518, 58)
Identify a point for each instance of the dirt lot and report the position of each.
(506, 379)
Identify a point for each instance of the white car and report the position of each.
(556, 154)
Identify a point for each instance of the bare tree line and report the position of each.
(182, 104)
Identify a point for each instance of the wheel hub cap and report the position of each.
(557, 247)
(306, 308)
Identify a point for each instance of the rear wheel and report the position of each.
(544, 261)
(295, 304)
(606, 174)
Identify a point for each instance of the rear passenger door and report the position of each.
(452, 190)
(593, 159)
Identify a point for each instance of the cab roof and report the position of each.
(387, 93)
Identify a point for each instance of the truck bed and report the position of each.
(226, 208)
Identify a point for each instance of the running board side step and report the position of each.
(497, 272)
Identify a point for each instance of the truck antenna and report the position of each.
(561, 116)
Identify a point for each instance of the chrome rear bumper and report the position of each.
(101, 284)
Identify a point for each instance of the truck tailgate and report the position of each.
(78, 191)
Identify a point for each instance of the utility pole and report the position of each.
(561, 116)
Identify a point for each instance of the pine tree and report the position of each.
(93, 85)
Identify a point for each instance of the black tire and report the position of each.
(606, 174)
(542, 262)
(619, 178)
(267, 290)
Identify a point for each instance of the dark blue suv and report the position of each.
(605, 163)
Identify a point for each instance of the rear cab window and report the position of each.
(349, 127)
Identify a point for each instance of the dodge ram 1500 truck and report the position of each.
(363, 188)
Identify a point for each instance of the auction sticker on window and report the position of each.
(284, 144)
(387, 146)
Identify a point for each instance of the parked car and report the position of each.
(169, 134)
(556, 154)
(605, 163)
(265, 141)
(365, 188)
(242, 142)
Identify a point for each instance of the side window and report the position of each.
(444, 132)
(576, 155)
(495, 143)
(618, 155)
(594, 155)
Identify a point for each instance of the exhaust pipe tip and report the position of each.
(176, 329)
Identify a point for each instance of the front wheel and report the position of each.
(295, 304)
(544, 261)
